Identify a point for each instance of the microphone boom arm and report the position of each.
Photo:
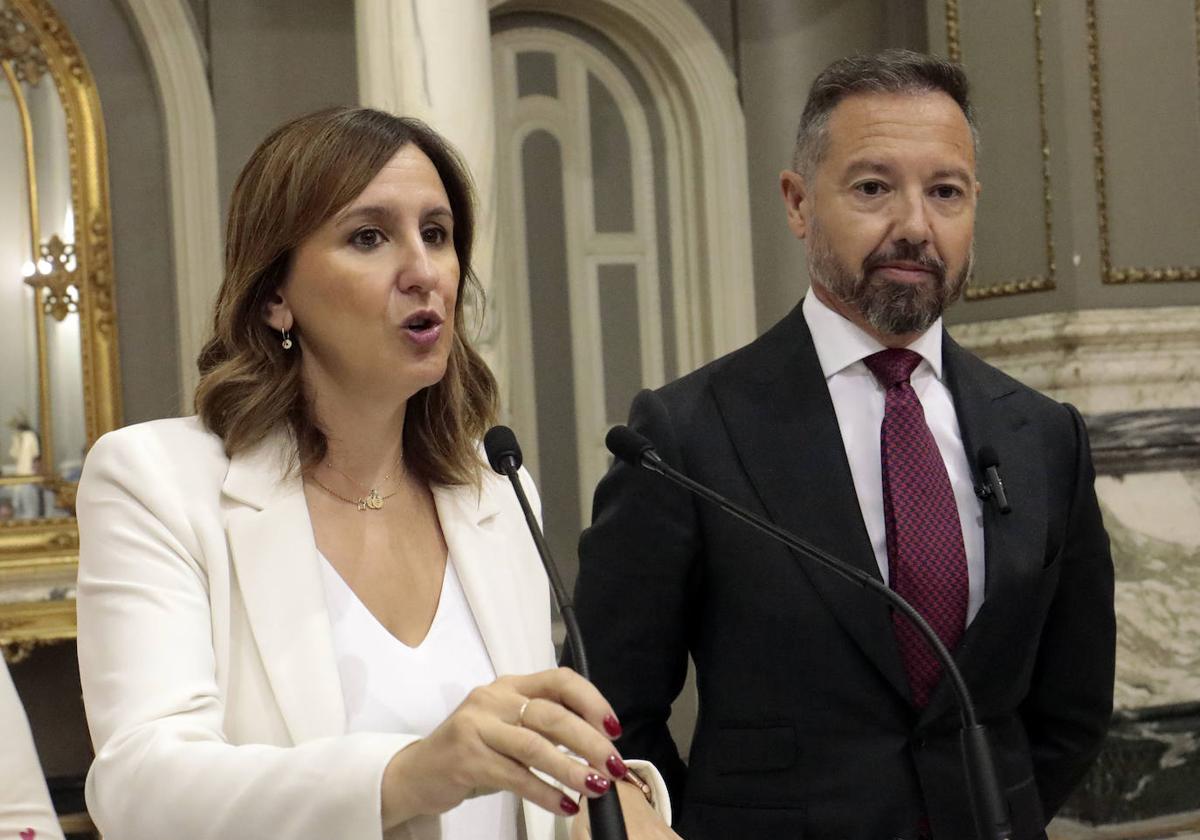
(988, 804)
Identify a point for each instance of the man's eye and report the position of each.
(947, 191)
(871, 188)
(367, 237)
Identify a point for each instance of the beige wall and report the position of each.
(1149, 84)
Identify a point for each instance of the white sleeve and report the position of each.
(24, 800)
(164, 767)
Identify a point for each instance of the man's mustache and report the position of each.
(905, 252)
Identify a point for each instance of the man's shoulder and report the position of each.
(754, 361)
(995, 383)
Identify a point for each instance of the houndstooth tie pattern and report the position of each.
(927, 563)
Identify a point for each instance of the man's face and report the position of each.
(889, 213)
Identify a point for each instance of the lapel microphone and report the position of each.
(992, 488)
(504, 455)
(983, 785)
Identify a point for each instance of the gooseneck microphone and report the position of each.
(993, 488)
(504, 454)
(988, 806)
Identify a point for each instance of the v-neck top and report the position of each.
(389, 686)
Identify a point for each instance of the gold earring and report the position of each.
(287, 340)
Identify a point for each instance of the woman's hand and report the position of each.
(642, 822)
(494, 738)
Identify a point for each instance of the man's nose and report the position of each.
(912, 220)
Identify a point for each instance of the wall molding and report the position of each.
(168, 36)
(1100, 360)
(1045, 281)
(682, 63)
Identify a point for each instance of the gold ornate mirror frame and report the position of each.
(41, 554)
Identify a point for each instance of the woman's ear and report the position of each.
(277, 313)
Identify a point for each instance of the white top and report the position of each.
(858, 403)
(25, 809)
(391, 687)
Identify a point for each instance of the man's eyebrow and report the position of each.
(872, 167)
(953, 172)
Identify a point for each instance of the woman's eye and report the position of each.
(367, 237)
(871, 188)
(434, 235)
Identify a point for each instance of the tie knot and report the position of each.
(892, 366)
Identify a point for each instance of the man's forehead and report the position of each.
(928, 122)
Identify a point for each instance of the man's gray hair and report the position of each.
(890, 71)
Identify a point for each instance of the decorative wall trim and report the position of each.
(1109, 272)
(680, 60)
(1101, 360)
(1038, 282)
(169, 39)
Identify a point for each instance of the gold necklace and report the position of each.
(372, 501)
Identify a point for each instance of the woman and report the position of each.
(25, 810)
(294, 607)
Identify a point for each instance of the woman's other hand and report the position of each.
(494, 738)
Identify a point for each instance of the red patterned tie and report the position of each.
(927, 563)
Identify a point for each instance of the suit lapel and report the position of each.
(482, 557)
(780, 418)
(275, 558)
(988, 415)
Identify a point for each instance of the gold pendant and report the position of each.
(362, 504)
(374, 500)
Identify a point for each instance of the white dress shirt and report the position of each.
(858, 403)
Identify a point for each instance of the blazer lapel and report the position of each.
(780, 418)
(988, 415)
(275, 558)
(483, 558)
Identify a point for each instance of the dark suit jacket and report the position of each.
(806, 726)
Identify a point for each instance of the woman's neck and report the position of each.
(365, 437)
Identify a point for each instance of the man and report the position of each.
(856, 423)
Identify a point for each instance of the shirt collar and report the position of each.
(840, 343)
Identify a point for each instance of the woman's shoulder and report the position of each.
(181, 438)
(160, 453)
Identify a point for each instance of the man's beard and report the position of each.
(890, 307)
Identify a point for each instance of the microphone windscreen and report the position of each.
(627, 444)
(987, 458)
(500, 444)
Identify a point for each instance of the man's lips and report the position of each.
(905, 271)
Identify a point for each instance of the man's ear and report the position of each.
(796, 201)
(277, 313)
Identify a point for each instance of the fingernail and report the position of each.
(597, 783)
(568, 806)
(612, 726)
(616, 766)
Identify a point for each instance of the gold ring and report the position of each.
(521, 714)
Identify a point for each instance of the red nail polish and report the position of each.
(597, 784)
(616, 766)
(612, 726)
(568, 806)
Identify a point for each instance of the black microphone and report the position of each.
(990, 811)
(993, 488)
(504, 454)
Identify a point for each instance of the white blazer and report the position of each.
(25, 809)
(205, 650)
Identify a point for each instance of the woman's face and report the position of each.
(372, 291)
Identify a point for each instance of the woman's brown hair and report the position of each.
(302, 174)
